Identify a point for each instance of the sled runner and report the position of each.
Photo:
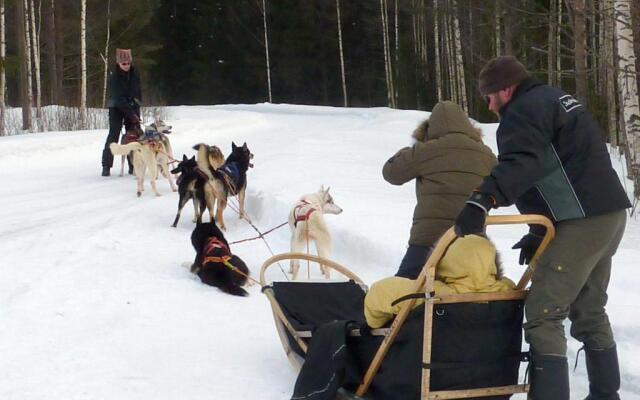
(454, 346)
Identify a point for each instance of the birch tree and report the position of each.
(83, 64)
(628, 87)
(24, 49)
(344, 79)
(266, 47)
(436, 38)
(3, 82)
(462, 88)
(387, 54)
(50, 41)
(105, 56)
(35, 49)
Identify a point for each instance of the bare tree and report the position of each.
(628, 88)
(50, 42)
(105, 56)
(24, 47)
(608, 73)
(344, 79)
(436, 38)
(576, 8)
(552, 50)
(83, 63)
(266, 47)
(459, 62)
(3, 83)
(497, 36)
(35, 49)
(388, 70)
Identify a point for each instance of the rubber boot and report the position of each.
(106, 171)
(549, 375)
(604, 373)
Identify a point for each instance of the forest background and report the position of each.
(406, 54)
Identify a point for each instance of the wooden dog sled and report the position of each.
(431, 378)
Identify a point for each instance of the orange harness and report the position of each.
(215, 243)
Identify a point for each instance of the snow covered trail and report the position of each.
(94, 302)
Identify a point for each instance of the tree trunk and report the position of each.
(610, 73)
(559, 44)
(50, 40)
(628, 87)
(579, 46)
(385, 49)
(436, 38)
(508, 30)
(105, 56)
(551, 43)
(22, 24)
(266, 47)
(83, 64)
(459, 62)
(635, 17)
(344, 78)
(396, 64)
(59, 38)
(497, 39)
(35, 48)
(3, 83)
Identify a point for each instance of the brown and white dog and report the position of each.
(150, 155)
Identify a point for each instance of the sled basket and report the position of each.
(453, 346)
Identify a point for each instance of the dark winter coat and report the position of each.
(448, 162)
(125, 92)
(552, 158)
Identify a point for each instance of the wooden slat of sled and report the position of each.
(493, 391)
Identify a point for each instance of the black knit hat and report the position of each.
(501, 72)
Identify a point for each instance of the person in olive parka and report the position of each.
(125, 96)
(447, 161)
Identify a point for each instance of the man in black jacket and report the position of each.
(125, 96)
(553, 161)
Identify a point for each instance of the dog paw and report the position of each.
(139, 194)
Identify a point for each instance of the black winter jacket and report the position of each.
(125, 92)
(552, 158)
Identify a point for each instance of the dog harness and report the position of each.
(213, 244)
(231, 174)
(302, 212)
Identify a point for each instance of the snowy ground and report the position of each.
(94, 303)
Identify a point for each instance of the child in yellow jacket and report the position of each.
(469, 266)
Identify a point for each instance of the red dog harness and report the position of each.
(302, 212)
(215, 243)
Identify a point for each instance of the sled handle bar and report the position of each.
(309, 257)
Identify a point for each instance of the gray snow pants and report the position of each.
(571, 280)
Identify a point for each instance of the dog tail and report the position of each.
(124, 149)
(234, 290)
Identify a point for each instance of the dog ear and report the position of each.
(193, 158)
(233, 146)
(184, 157)
(321, 188)
(244, 145)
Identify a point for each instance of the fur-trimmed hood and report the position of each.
(447, 117)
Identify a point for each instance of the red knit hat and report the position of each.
(123, 55)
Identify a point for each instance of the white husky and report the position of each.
(306, 221)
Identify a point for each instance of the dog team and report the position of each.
(208, 180)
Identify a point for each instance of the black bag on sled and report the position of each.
(474, 345)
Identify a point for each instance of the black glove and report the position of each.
(470, 220)
(472, 217)
(528, 246)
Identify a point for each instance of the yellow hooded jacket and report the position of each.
(467, 267)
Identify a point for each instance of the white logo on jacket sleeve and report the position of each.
(569, 103)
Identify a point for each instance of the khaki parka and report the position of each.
(448, 161)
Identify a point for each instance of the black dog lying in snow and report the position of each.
(212, 251)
